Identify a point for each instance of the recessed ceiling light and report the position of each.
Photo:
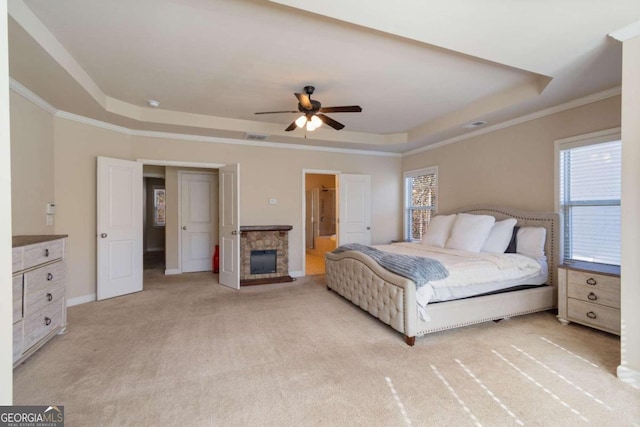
(153, 103)
(475, 124)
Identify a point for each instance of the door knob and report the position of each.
(234, 232)
(368, 228)
(184, 227)
(103, 235)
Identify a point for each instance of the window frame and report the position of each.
(607, 135)
(407, 209)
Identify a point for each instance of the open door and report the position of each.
(229, 177)
(355, 209)
(119, 227)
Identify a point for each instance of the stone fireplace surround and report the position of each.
(264, 237)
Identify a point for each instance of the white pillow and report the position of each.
(500, 236)
(469, 232)
(438, 230)
(530, 241)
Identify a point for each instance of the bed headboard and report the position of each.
(548, 220)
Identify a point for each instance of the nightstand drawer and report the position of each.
(594, 295)
(594, 280)
(594, 314)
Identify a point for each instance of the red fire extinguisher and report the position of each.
(215, 262)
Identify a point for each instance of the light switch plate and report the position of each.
(273, 201)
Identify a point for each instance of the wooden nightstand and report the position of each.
(590, 295)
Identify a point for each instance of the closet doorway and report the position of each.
(321, 219)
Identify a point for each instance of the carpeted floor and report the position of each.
(189, 352)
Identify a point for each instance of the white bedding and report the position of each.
(471, 273)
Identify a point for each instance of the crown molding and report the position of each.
(589, 99)
(35, 99)
(27, 94)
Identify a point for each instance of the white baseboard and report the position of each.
(298, 273)
(81, 300)
(629, 376)
(170, 271)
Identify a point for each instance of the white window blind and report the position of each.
(590, 186)
(420, 201)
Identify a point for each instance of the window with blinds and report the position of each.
(420, 201)
(590, 187)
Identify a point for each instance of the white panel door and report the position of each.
(229, 178)
(355, 209)
(119, 227)
(198, 220)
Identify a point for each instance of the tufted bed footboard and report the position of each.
(384, 295)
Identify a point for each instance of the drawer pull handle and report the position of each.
(591, 315)
(47, 321)
(592, 296)
(46, 252)
(591, 281)
(49, 297)
(49, 276)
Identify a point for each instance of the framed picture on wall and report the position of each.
(159, 211)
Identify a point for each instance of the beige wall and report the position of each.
(33, 159)
(512, 166)
(264, 173)
(629, 369)
(77, 147)
(277, 173)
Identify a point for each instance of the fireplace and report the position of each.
(264, 254)
(263, 262)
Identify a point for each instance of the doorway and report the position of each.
(154, 219)
(321, 219)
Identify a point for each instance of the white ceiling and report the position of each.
(419, 69)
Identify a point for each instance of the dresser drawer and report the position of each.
(595, 315)
(42, 286)
(39, 324)
(17, 298)
(594, 295)
(41, 253)
(17, 340)
(594, 280)
(16, 259)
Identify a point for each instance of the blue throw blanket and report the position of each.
(420, 270)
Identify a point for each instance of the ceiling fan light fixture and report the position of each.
(310, 126)
(316, 121)
(301, 121)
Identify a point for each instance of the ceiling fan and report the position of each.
(312, 117)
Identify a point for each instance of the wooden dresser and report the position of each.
(590, 296)
(39, 307)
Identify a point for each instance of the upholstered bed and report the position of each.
(392, 298)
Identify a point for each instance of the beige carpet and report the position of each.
(189, 352)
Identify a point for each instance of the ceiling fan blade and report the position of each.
(276, 112)
(330, 122)
(304, 100)
(343, 109)
(291, 127)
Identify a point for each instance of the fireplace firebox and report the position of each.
(263, 262)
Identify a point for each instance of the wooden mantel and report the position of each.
(265, 228)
